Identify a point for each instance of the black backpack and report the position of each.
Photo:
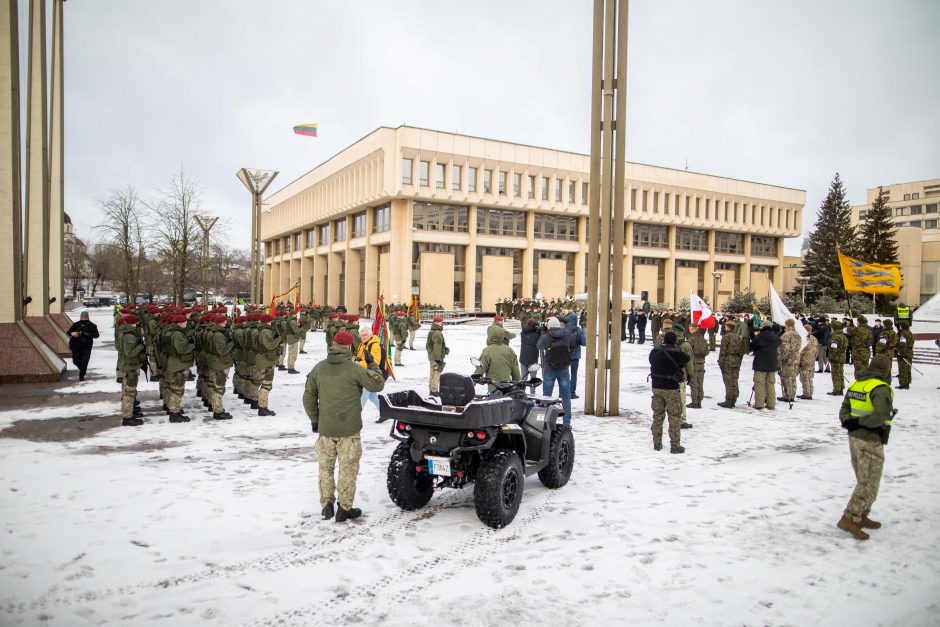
(559, 353)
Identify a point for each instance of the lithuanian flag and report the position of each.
(306, 129)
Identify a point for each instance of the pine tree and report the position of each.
(832, 232)
(878, 242)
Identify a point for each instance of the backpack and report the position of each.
(559, 353)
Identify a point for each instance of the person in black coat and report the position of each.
(766, 365)
(528, 353)
(631, 326)
(641, 326)
(82, 335)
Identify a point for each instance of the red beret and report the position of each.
(241, 319)
(130, 319)
(334, 315)
(266, 319)
(179, 319)
(499, 318)
(343, 337)
(221, 319)
(438, 319)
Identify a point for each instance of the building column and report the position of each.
(400, 252)
(372, 262)
(37, 167)
(11, 245)
(669, 284)
(334, 267)
(709, 280)
(56, 170)
(580, 258)
(470, 260)
(628, 258)
(528, 256)
(778, 271)
(746, 266)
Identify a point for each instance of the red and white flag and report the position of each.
(702, 315)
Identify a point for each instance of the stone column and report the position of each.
(37, 167)
(709, 280)
(56, 171)
(470, 261)
(400, 251)
(580, 258)
(372, 262)
(528, 257)
(669, 284)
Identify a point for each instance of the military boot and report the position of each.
(868, 523)
(221, 415)
(253, 404)
(132, 422)
(327, 512)
(903, 387)
(835, 393)
(849, 525)
(677, 449)
(178, 417)
(657, 446)
(264, 411)
(343, 515)
(292, 371)
(805, 397)
(726, 405)
(685, 425)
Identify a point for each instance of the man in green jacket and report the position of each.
(132, 352)
(495, 333)
(688, 368)
(178, 362)
(292, 333)
(412, 324)
(399, 328)
(498, 362)
(219, 352)
(266, 349)
(905, 352)
(437, 350)
(332, 402)
(866, 413)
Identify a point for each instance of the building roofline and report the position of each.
(490, 139)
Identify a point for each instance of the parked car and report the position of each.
(91, 302)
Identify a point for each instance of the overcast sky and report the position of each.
(785, 93)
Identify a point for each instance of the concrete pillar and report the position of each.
(37, 167)
(400, 251)
(628, 259)
(56, 170)
(669, 285)
(334, 268)
(352, 267)
(580, 258)
(708, 279)
(746, 266)
(470, 259)
(528, 257)
(372, 262)
(11, 284)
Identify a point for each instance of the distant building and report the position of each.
(914, 207)
(464, 221)
(74, 259)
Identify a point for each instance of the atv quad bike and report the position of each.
(493, 441)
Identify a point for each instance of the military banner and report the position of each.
(870, 278)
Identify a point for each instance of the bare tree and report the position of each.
(74, 262)
(104, 260)
(228, 268)
(178, 234)
(123, 230)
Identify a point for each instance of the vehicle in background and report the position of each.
(91, 302)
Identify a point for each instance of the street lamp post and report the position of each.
(716, 277)
(257, 181)
(206, 222)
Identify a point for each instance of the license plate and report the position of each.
(439, 466)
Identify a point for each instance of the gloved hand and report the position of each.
(367, 355)
(476, 377)
(314, 426)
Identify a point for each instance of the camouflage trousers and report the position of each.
(267, 382)
(788, 378)
(281, 350)
(129, 393)
(868, 460)
(683, 396)
(730, 375)
(765, 391)
(667, 403)
(238, 378)
(215, 388)
(904, 368)
(411, 338)
(348, 451)
(173, 387)
(292, 354)
(434, 382)
(838, 377)
(253, 377)
(860, 360)
(697, 382)
(399, 345)
(303, 340)
(806, 379)
(152, 358)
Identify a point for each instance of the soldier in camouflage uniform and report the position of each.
(808, 356)
(437, 350)
(838, 343)
(179, 360)
(667, 368)
(330, 326)
(303, 322)
(734, 345)
(413, 325)
(132, 355)
(399, 328)
(887, 341)
(860, 337)
(788, 354)
(496, 334)
(689, 368)
(905, 353)
(266, 347)
(700, 351)
(292, 334)
(219, 350)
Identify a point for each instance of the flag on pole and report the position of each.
(870, 278)
(306, 129)
(780, 314)
(702, 315)
(380, 330)
(756, 317)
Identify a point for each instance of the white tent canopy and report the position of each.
(626, 296)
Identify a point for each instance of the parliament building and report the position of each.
(464, 221)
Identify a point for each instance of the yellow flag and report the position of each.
(871, 278)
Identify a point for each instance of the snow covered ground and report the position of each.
(218, 523)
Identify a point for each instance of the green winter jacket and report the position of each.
(291, 331)
(132, 350)
(435, 345)
(179, 350)
(266, 344)
(333, 390)
(882, 399)
(838, 343)
(219, 349)
(499, 362)
(496, 333)
(683, 344)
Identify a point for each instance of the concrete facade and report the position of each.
(915, 208)
(463, 221)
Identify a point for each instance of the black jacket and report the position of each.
(87, 332)
(665, 365)
(528, 353)
(764, 347)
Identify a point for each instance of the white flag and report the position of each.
(780, 314)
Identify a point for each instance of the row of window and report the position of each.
(381, 222)
(912, 210)
(920, 224)
(657, 236)
(486, 180)
(668, 203)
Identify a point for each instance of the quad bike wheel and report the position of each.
(498, 490)
(407, 488)
(560, 458)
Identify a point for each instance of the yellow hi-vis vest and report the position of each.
(859, 396)
(904, 313)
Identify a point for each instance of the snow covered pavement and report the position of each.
(218, 523)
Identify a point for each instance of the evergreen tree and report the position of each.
(878, 242)
(833, 232)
